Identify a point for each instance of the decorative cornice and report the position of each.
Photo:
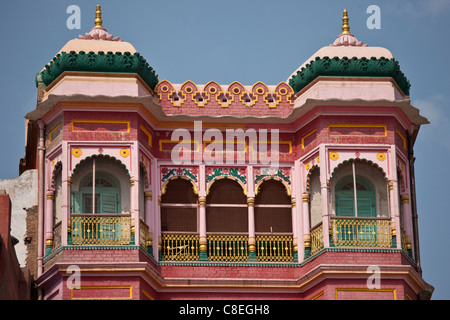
(349, 67)
(97, 62)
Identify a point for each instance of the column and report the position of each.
(202, 214)
(407, 223)
(294, 188)
(324, 196)
(202, 232)
(251, 215)
(294, 229)
(251, 229)
(65, 197)
(395, 209)
(135, 193)
(306, 225)
(297, 182)
(41, 175)
(49, 221)
(156, 217)
(148, 197)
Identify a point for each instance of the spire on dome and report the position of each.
(98, 17)
(345, 26)
(346, 38)
(98, 32)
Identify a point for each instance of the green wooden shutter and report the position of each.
(366, 204)
(109, 202)
(345, 205)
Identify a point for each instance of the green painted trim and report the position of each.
(307, 252)
(252, 257)
(203, 256)
(97, 62)
(349, 67)
(237, 264)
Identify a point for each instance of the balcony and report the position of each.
(222, 247)
(361, 232)
(118, 229)
(101, 229)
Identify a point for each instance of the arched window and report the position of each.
(372, 194)
(273, 208)
(100, 184)
(179, 207)
(345, 197)
(226, 207)
(107, 194)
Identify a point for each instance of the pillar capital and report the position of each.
(202, 200)
(305, 197)
(148, 195)
(404, 198)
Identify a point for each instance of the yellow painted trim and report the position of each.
(270, 142)
(193, 93)
(356, 126)
(171, 141)
(98, 121)
(265, 91)
(289, 92)
(50, 133)
(164, 186)
(226, 141)
(393, 290)
(242, 91)
(306, 136)
(284, 183)
(86, 105)
(147, 295)
(103, 298)
(317, 295)
(149, 135)
(403, 138)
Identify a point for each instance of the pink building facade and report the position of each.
(154, 190)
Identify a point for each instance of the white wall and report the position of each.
(23, 192)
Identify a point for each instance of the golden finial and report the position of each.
(98, 17)
(345, 26)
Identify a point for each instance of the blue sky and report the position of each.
(250, 41)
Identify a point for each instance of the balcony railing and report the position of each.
(56, 236)
(100, 229)
(274, 248)
(316, 239)
(362, 232)
(143, 234)
(227, 247)
(180, 247)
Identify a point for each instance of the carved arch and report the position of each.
(164, 186)
(244, 189)
(284, 183)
